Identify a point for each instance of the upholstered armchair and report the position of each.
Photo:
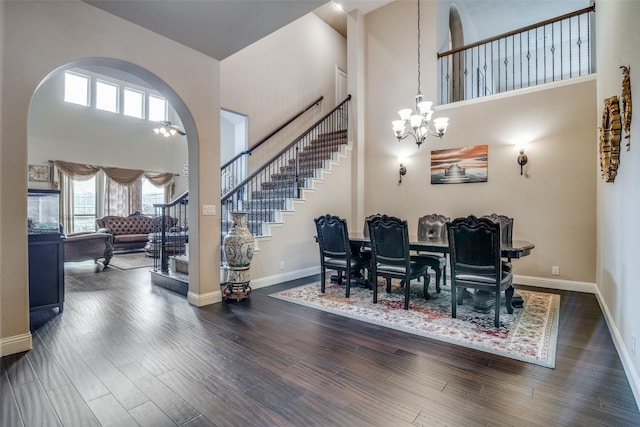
(84, 246)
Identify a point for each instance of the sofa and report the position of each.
(85, 246)
(132, 232)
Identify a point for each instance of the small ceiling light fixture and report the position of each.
(416, 123)
(522, 158)
(166, 129)
(338, 6)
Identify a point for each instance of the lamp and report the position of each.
(522, 158)
(416, 123)
(402, 172)
(166, 129)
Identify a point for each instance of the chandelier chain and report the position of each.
(418, 47)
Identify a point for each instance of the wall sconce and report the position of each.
(402, 172)
(522, 158)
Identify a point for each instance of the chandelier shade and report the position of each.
(416, 123)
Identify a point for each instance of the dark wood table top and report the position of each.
(515, 249)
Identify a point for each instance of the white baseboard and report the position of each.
(15, 344)
(625, 356)
(200, 300)
(284, 277)
(564, 285)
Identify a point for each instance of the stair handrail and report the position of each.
(163, 257)
(273, 133)
(266, 164)
(174, 202)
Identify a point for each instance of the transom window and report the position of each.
(157, 108)
(106, 96)
(133, 103)
(76, 89)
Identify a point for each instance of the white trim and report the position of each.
(200, 300)
(285, 277)
(15, 344)
(623, 352)
(565, 285)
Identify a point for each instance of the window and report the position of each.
(76, 89)
(84, 205)
(133, 103)
(157, 108)
(106, 96)
(151, 195)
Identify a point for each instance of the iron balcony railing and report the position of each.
(549, 51)
(270, 188)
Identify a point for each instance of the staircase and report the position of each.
(271, 189)
(276, 194)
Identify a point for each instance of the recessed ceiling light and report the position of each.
(338, 6)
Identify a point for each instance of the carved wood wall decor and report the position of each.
(610, 139)
(626, 104)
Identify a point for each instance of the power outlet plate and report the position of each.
(555, 270)
(281, 265)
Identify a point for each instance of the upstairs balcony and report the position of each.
(549, 51)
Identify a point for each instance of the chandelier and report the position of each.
(417, 123)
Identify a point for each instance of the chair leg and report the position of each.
(323, 278)
(508, 295)
(388, 285)
(374, 284)
(438, 275)
(348, 283)
(407, 289)
(425, 289)
(460, 295)
(454, 303)
(497, 315)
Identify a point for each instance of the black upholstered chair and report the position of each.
(474, 248)
(391, 257)
(506, 233)
(433, 227)
(335, 251)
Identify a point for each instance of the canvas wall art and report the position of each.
(459, 165)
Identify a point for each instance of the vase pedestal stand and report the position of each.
(238, 287)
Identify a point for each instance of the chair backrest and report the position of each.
(432, 227)
(474, 246)
(506, 226)
(365, 229)
(389, 240)
(333, 236)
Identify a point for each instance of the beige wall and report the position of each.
(618, 270)
(277, 76)
(39, 38)
(553, 204)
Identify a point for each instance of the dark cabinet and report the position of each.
(46, 272)
(46, 250)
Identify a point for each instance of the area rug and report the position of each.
(529, 334)
(128, 261)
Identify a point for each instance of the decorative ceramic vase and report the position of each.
(238, 248)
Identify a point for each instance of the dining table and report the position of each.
(513, 249)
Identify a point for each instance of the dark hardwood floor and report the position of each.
(125, 352)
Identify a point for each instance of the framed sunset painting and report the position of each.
(459, 165)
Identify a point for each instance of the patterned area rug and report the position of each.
(529, 334)
(127, 261)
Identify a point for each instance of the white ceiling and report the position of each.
(220, 28)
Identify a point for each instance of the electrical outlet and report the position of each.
(281, 265)
(555, 270)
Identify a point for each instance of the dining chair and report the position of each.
(433, 227)
(335, 251)
(391, 258)
(506, 233)
(474, 248)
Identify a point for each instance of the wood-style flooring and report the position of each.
(126, 352)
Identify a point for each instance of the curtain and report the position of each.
(122, 199)
(123, 188)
